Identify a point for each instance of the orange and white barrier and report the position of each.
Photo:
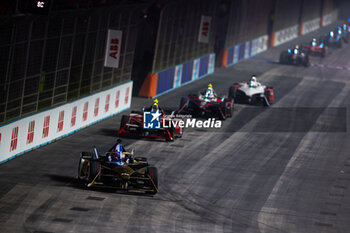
(284, 35)
(39, 129)
(310, 26)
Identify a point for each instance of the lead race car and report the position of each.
(252, 93)
(117, 169)
(201, 105)
(331, 40)
(133, 126)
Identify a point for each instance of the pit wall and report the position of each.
(167, 80)
(45, 127)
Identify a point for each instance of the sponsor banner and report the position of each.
(334, 15)
(44, 127)
(211, 63)
(236, 54)
(285, 35)
(113, 46)
(254, 47)
(310, 26)
(327, 19)
(204, 29)
(247, 49)
(262, 43)
(195, 69)
(177, 76)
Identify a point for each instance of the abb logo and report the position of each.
(60, 121)
(117, 99)
(46, 126)
(14, 139)
(97, 104)
(114, 48)
(74, 116)
(126, 100)
(85, 112)
(205, 29)
(108, 98)
(30, 136)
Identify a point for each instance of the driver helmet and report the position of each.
(313, 42)
(210, 85)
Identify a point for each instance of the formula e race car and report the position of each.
(294, 57)
(314, 48)
(200, 106)
(252, 94)
(331, 39)
(134, 173)
(133, 126)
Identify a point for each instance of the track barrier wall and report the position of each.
(310, 26)
(45, 127)
(285, 35)
(166, 80)
(245, 50)
(248, 49)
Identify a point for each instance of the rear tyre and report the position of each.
(223, 112)
(124, 121)
(152, 173)
(284, 58)
(172, 134)
(182, 102)
(229, 109)
(232, 92)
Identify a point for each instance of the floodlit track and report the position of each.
(275, 169)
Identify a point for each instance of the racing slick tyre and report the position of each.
(229, 109)
(232, 91)
(171, 131)
(124, 121)
(284, 58)
(306, 61)
(87, 169)
(268, 94)
(223, 112)
(182, 102)
(152, 174)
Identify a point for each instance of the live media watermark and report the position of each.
(155, 120)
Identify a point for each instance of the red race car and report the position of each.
(133, 126)
(314, 48)
(200, 106)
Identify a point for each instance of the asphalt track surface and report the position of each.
(277, 169)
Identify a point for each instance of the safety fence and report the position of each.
(47, 61)
(244, 50)
(166, 80)
(45, 127)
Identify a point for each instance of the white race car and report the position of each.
(248, 93)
